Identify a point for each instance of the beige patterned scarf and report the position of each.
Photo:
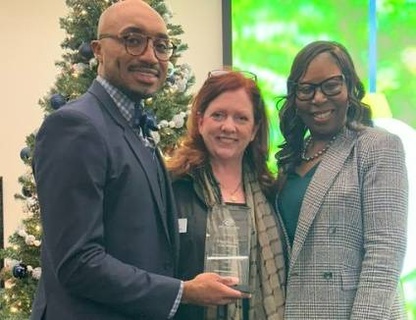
(267, 264)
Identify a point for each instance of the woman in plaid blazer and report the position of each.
(342, 194)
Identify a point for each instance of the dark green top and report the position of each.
(290, 200)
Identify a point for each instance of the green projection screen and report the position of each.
(263, 36)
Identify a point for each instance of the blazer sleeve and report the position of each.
(384, 205)
(70, 166)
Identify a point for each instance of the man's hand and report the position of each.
(208, 289)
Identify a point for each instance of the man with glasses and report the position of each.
(110, 234)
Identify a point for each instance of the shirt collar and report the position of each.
(123, 103)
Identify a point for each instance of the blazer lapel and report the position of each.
(322, 180)
(142, 154)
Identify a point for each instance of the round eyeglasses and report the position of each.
(332, 86)
(136, 43)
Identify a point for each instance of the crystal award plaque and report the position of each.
(227, 244)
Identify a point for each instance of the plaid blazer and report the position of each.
(350, 239)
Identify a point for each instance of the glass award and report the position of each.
(227, 243)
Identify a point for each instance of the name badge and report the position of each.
(183, 225)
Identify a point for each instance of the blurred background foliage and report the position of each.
(266, 37)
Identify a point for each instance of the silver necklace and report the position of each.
(317, 154)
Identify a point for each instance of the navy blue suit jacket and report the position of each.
(110, 235)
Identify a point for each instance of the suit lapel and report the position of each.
(142, 154)
(322, 180)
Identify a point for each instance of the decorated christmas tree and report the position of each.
(77, 69)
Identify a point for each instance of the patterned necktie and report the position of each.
(143, 122)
